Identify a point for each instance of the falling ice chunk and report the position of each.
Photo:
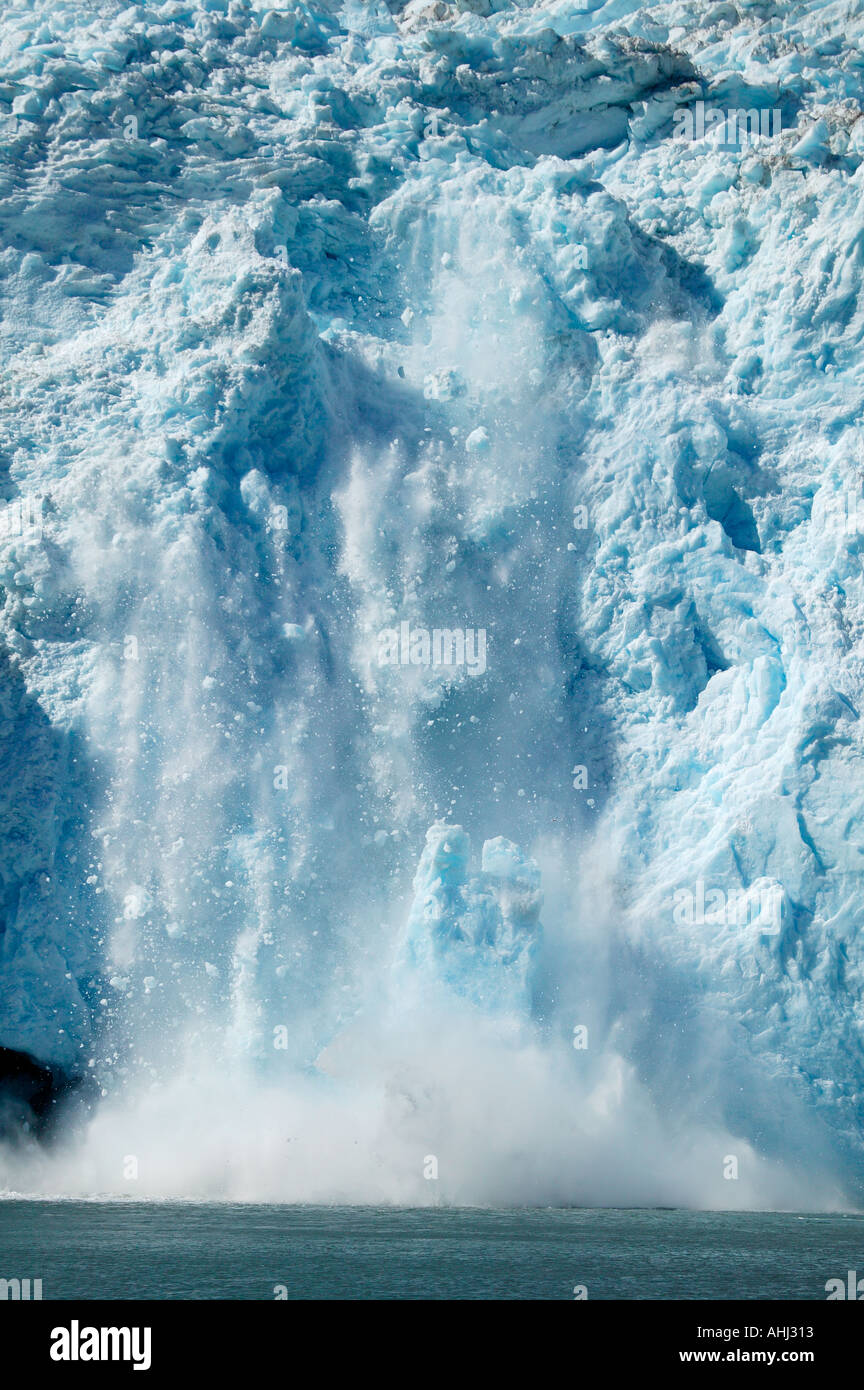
(477, 441)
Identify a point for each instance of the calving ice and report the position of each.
(76, 1343)
(407, 646)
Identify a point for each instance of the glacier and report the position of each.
(322, 319)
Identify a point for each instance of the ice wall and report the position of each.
(329, 319)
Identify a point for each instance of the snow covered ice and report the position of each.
(320, 320)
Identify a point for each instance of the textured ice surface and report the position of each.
(319, 319)
(476, 934)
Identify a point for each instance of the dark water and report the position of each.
(89, 1250)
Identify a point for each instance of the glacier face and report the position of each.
(324, 320)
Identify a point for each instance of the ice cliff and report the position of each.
(321, 320)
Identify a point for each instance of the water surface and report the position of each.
(131, 1250)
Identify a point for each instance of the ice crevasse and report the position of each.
(324, 320)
